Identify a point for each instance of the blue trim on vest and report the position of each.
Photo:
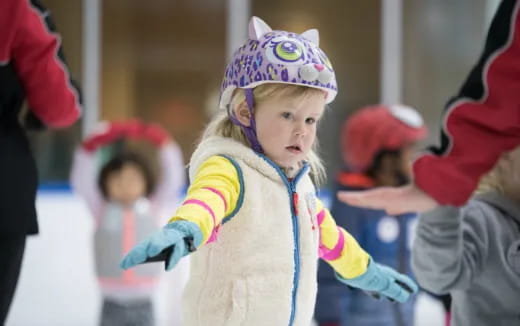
(242, 189)
(291, 188)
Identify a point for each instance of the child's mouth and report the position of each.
(294, 149)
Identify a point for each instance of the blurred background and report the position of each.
(163, 60)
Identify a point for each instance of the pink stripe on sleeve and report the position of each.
(213, 235)
(321, 216)
(334, 253)
(218, 193)
(202, 204)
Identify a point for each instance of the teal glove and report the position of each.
(173, 235)
(383, 280)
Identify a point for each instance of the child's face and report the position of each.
(286, 127)
(126, 185)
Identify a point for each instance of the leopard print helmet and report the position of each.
(278, 57)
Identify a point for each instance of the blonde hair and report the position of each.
(221, 124)
(504, 178)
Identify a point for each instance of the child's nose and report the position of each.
(299, 130)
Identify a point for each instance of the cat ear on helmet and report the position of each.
(312, 35)
(257, 28)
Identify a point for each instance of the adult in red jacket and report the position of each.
(32, 69)
(480, 123)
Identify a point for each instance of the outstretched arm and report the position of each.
(482, 121)
(213, 194)
(333, 300)
(354, 267)
(338, 248)
(394, 200)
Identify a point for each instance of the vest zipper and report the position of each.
(296, 235)
(293, 198)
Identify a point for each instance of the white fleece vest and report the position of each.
(262, 268)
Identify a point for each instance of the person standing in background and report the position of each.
(377, 145)
(32, 68)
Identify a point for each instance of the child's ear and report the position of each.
(242, 113)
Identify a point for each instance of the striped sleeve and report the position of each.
(482, 121)
(213, 195)
(339, 248)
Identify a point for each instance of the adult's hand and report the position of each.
(394, 200)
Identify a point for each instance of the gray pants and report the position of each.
(131, 313)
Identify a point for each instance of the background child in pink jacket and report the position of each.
(125, 198)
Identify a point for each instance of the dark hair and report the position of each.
(118, 162)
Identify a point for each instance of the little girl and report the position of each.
(126, 204)
(251, 210)
(377, 143)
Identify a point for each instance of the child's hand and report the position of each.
(383, 280)
(171, 235)
(394, 201)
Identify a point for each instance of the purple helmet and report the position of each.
(278, 57)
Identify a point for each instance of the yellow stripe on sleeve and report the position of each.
(216, 189)
(353, 260)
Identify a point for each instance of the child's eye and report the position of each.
(287, 115)
(310, 121)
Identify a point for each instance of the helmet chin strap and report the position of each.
(249, 131)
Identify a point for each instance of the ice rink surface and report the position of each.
(58, 287)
